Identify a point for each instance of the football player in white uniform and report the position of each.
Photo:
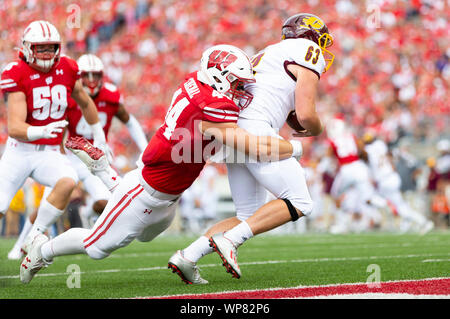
(388, 183)
(352, 188)
(287, 76)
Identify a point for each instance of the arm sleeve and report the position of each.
(10, 81)
(137, 133)
(220, 112)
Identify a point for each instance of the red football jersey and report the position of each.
(46, 94)
(175, 157)
(107, 102)
(345, 148)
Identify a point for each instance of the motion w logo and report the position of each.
(220, 59)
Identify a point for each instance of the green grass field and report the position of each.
(266, 261)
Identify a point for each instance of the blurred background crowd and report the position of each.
(390, 76)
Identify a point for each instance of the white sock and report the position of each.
(109, 177)
(197, 249)
(68, 243)
(47, 215)
(239, 234)
(23, 234)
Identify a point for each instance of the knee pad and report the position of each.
(292, 210)
(96, 253)
(305, 207)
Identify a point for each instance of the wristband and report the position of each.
(97, 133)
(34, 132)
(297, 148)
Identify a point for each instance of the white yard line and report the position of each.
(266, 262)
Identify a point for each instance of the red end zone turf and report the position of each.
(439, 286)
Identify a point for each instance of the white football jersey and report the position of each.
(274, 89)
(379, 163)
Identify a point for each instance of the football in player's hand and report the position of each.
(293, 122)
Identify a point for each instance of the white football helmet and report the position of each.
(91, 68)
(40, 33)
(336, 127)
(222, 65)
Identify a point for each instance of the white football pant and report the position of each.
(250, 181)
(389, 188)
(131, 213)
(44, 163)
(91, 183)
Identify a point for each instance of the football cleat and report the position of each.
(429, 225)
(16, 254)
(92, 156)
(33, 262)
(227, 252)
(187, 270)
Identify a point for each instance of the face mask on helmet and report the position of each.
(309, 26)
(237, 91)
(92, 82)
(42, 56)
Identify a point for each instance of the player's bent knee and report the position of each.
(66, 184)
(99, 206)
(96, 253)
(294, 206)
(3, 206)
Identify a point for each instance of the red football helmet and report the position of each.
(309, 26)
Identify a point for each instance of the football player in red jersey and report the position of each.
(352, 187)
(37, 87)
(287, 75)
(108, 101)
(203, 113)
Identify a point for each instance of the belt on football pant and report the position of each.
(12, 142)
(155, 193)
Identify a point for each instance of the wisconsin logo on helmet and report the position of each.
(220, 59)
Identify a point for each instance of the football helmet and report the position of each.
(336, 127)
(309, 26)
(227, 69)
(91, 68)
(40, 33)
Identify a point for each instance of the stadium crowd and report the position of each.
(390, 75)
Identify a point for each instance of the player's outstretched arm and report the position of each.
(262, 148)
(305, 102)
